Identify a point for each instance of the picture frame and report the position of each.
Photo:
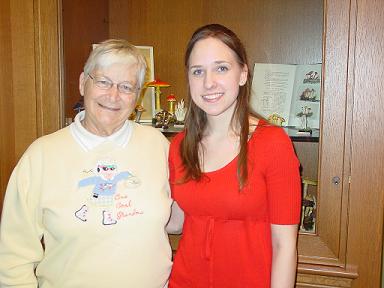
(147, 94)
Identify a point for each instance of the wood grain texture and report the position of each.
(18, 105)
(49, 66)
(333, 126)
(7, 121)
(23, 76)
(29, 52)
(84, 23)
(367, 169)
(321, 281)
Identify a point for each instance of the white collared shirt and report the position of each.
(89, 141)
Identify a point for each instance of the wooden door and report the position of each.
(322, 256)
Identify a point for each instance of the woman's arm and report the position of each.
(284, 255)
(175, 223)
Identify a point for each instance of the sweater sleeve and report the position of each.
(20, 239)
(283, 180)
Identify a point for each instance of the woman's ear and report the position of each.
(243, 75)
(82, 79)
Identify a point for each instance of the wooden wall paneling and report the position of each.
(274, 31)
(165, 25)
(31, 69)
(7, 120)
(367, 173)
(168, 26)
(23, 62)
(18, 107)
(84, 23)
(49, 66)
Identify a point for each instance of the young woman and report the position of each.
(235, 176)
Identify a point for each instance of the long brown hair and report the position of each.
(196, 119)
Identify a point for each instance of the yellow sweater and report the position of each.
(101, 213)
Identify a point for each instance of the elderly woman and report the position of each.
(95, 193)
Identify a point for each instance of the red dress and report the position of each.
(226, 239)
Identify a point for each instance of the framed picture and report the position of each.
(147, 95)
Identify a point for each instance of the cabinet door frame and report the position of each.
(328, 245)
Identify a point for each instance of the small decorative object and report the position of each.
(139, 111)
(171, 99)
(276, 119)
(309, 210)
(180, 112)
(308, 213)
(157, 84)
(163, 119)
(304, 114)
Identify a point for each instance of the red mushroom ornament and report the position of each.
(157, 84)
(171, 99)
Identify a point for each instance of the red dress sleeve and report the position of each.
(174, 160)
(283, 180)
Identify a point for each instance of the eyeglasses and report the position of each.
(106, 168)
(105, 84)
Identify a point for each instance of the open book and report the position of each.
(290, 92)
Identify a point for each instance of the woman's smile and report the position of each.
(212, 97)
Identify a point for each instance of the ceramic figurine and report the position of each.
(180, 112)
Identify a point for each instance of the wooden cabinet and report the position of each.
(346, 247)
